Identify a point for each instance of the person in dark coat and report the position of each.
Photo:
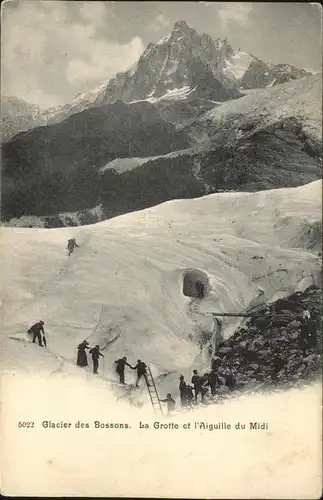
(189, 395)
(170, 403)
(197, 384)
(121, 364)
(141, 368)
(81, 354)
(71, 244)
(213, 381)
(182, 390)
(95, 351)
(200, 289)
(37, 329)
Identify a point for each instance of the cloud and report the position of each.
(161, 19)
(228, 12)
(95, 12)
(47, 56)
(234, 12)
(160, 22)
(106, 59)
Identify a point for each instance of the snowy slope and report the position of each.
(300, 99)
(123, 287)
(18, 115)
(238, 64)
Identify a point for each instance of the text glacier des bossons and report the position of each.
(194, 425)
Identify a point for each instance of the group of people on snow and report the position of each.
(220, 376)
(82, 355)
(141, 368)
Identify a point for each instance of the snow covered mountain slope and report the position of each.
(78, 104)
(18, 116)
(300, 100)
(185, 65)
(184, 58)
(123, 288)
(270, 138)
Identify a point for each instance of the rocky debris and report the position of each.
(268, 349)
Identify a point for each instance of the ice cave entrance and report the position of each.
(195, 283)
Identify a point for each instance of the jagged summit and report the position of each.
(206, 68)
(182, 58)
(182, 26)
(185, 65)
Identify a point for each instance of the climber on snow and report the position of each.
(37, 329)
(81, 355)
(189, 395)
(197, 384)
(121, 364)
(141, 371)
(95, 351)
(170, 403)
(183, 390)
(71, 244)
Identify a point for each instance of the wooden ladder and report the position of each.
(151, 386)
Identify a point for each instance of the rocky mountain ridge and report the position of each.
(211, 70)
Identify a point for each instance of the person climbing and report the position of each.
(71, 244)
(121, 364)
(37, 329)
(189, 395)
(183, 390)
(95, 351)
(44, 340)
(200, 289)
(197, 384)
(141, 371)
(170, 403)
(81, 355)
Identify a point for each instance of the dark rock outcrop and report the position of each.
(273, 354)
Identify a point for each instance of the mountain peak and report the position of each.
(182, 26)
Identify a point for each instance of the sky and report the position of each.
(54, 50)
